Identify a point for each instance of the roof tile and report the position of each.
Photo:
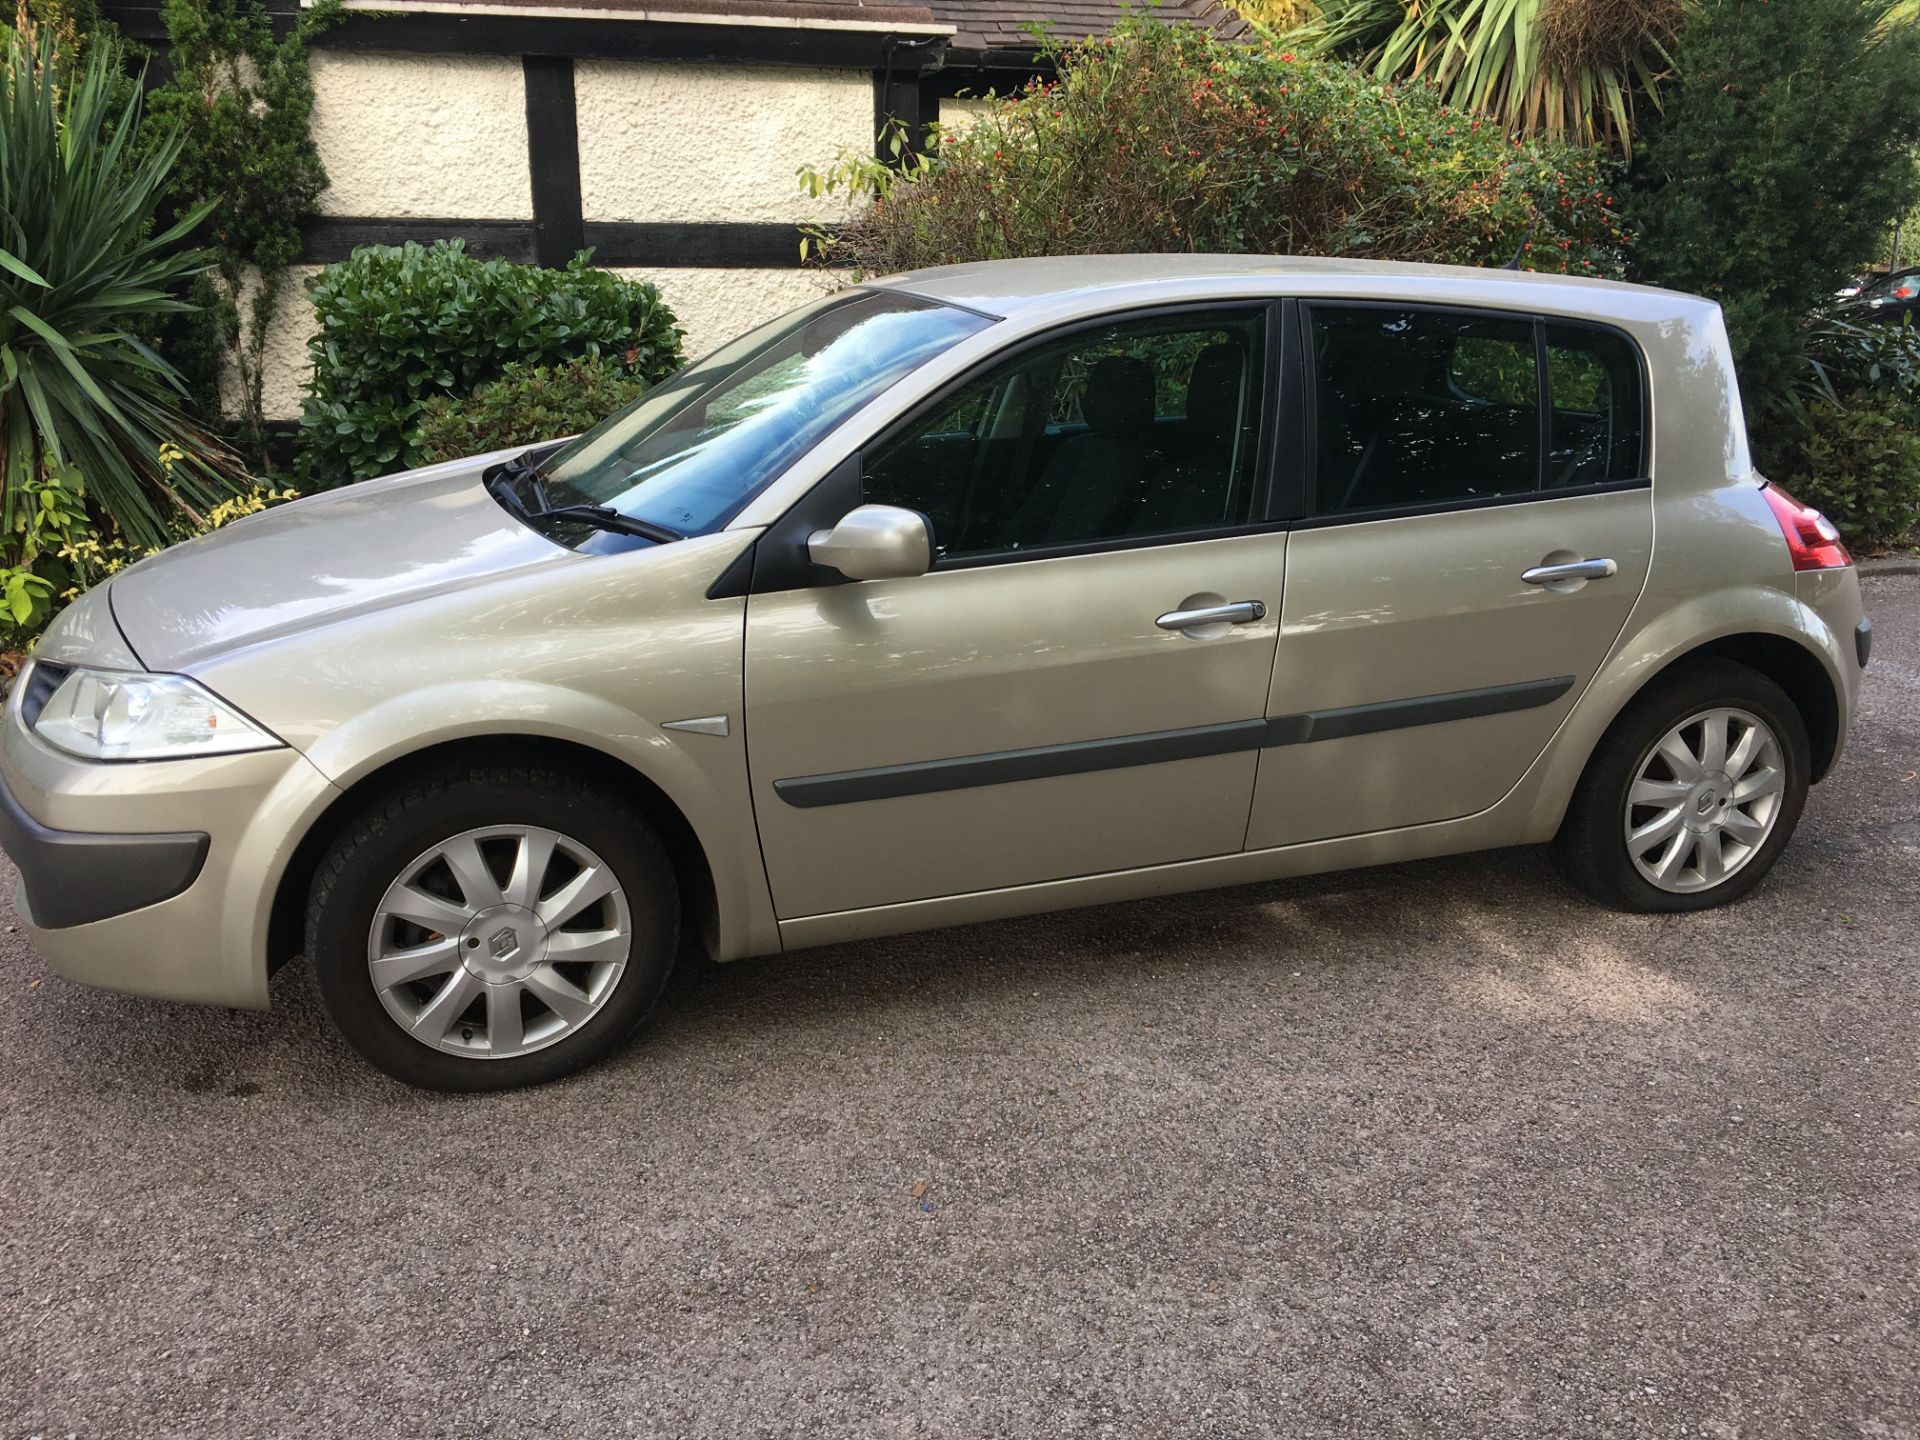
(1002, 24)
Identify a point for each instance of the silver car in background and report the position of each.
(964, 594)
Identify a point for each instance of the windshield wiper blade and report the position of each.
(605, 517)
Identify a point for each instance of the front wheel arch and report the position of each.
(692, 868)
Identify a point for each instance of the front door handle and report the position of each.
(1241, 612)
(1572, 570)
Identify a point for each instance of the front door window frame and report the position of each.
(1278, 316)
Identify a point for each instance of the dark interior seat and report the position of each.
(1194, 491)
(1091, 486)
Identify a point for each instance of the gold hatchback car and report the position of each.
(968, 593)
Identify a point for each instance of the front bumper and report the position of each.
(70, 877)
(155, 878)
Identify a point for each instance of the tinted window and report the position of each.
(1593, 377)
(691, 452)
(1130, 430)
(1418, 407)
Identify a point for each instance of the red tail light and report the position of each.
(1811, 538)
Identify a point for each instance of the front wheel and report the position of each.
(492, 927)
(1694, 792)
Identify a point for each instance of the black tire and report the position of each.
(1591, 845)
(404, 823)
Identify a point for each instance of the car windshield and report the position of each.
(691, 452)
(1908, 280)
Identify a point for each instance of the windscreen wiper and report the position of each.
(517, 471)
(605, 517)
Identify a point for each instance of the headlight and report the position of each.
(119, 715)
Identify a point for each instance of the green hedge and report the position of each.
(400, 326)
(1861, 466)
(1855, 451)
(528, 404)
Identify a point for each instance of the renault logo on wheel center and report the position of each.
(504, 942)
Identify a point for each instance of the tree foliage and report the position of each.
(1580, 70)
(1785, 149)
(1159, 138)
(241, 98)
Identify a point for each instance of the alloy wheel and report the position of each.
(499, 941)
(1704, 799)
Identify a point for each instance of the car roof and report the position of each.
(1065, 283)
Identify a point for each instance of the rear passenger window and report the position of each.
(1419, 407)
(1133, 430)
(1593, 377)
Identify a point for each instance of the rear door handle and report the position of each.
(1572, 570)
(1241, 612)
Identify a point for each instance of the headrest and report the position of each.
(1213, 392)
(1118, 400)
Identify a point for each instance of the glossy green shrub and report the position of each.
(528, 404)
(398, 326)
(1160, 138)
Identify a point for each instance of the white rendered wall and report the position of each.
(959, 115)
(283, 364)
(716, 305)
(417, 136)
(712, 142)
(439, 136)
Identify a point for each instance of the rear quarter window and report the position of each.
(1599, 428)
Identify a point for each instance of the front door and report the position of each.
(1480, 527)
(1042, 704)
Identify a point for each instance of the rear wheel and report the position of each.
(492, 927)
(1694, 792)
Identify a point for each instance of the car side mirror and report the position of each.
(875, 542)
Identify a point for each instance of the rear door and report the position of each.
(1477, 526)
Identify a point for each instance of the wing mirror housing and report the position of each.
(875, 542)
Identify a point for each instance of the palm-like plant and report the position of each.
(1568, 68)
(80, 274)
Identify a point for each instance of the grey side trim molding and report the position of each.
(74, 878)
(966, 772)
(1436, 709)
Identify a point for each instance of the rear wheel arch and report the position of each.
(1791, 664)
(1796, 669)
(693, 869)
(1674, 858)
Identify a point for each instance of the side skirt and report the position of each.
(1501, 825)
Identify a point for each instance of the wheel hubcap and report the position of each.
(1704, 800)
(499, 941)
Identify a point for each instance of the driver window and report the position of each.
(1129, 430)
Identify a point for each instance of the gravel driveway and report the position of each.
(1431, 1150)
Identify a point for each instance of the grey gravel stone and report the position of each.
(1436, 1150)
